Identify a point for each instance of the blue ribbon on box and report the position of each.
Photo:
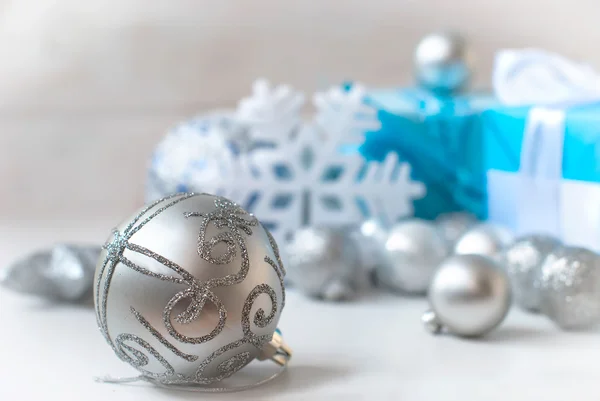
(531, 150)
(440, 137)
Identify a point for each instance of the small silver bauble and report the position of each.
(484, 239)
(523, 260)
(469, 295)
(323, 263)
(190, 290)
(370, 238)
(442, 62)
(62, 273)
(570, 287)
(414, 249)
(455, 225)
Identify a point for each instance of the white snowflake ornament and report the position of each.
(302, 184)
(309, 180)
(289, 173)
(343, 115)
(270, 113)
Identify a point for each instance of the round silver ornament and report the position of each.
(570, 288)
(370, 238)
(414, 249)
(63, 273)
(441, 62)
(454, 225)
(469, 296)
(323, 263)
(484, 239)
(189, 290)
(523, 260)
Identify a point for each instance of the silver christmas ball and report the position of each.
(454, 225)
(189, 290)
(523, 260)
(323, 263)
(570, 287)
(63, 273)
(442, 62)
(469, 295)
(414, 249)
(370, 238)
(484, 239)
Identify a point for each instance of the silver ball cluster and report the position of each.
(334, 263)
(414, 258)
(562, 282)
(460, 264)
(523, 260)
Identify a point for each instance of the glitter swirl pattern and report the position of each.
(233, 225)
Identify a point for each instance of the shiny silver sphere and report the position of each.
(441, 62)
(469, 295)
(414, 249)
(189, 289)
(523, 260)
(570, 288)
(484, 239)
(370, 238)
(323, 263)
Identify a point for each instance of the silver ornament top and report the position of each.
(570, 287)
(484, 239)
(370, 238)
(189, 290)
(442, 62)
(523, 260)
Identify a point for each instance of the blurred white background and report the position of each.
(88, 87)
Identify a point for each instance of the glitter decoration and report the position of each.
(226, 236)
(570, 288)
(235, 363)
(63, 273)
(523, 260)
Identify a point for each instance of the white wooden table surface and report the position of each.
(370, 349)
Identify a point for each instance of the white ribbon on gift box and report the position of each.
(551, 83)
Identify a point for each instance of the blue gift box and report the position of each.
(504, 129)
(440, 136)
(543, 176)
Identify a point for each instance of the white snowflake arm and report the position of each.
(389, 190)
(271, 113)
(343, 116)
(382, 190)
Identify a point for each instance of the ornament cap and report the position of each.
(276, 350)
(431, 322)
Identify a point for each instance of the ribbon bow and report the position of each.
(536, 77)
